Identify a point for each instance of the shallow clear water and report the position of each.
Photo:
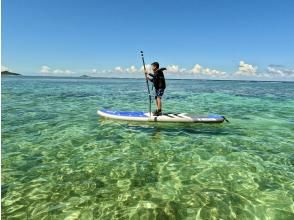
(61, 161)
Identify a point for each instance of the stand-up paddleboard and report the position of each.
(166, 117)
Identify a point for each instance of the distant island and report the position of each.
(7, 73)
(85, 76)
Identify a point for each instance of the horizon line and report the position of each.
(103, 77)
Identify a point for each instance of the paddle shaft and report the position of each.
(147, 83)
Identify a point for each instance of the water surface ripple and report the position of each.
(61, 161)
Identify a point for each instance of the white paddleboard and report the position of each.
(165, 117)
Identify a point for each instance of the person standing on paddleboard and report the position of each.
(158, 80)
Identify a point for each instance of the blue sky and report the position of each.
(206, 39)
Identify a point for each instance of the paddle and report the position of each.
(147, 82)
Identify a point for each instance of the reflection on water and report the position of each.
(61, 161)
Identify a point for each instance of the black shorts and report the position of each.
(159, 93)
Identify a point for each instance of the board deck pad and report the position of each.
(165, 117)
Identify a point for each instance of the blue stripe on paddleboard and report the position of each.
(215, 116)
(126, 114)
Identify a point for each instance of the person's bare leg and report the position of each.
(158, 100)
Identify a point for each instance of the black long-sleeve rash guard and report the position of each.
(158, 79)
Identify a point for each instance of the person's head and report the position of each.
(155, 66)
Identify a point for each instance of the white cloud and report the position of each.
(171, 69)
(118, 69)
(175, 69)
(131, 69)
(196, 69)
(47, 70)
(277, 70)
(202, 72)
(246, 69)
(68, 72)
(213, 73)
(205, 71)
(57, 71)
(148, 68)
(4, 68)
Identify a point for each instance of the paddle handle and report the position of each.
(147, 83)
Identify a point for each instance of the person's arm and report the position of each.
(147, 76)
(151, 78)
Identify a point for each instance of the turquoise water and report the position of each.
(61, 161)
